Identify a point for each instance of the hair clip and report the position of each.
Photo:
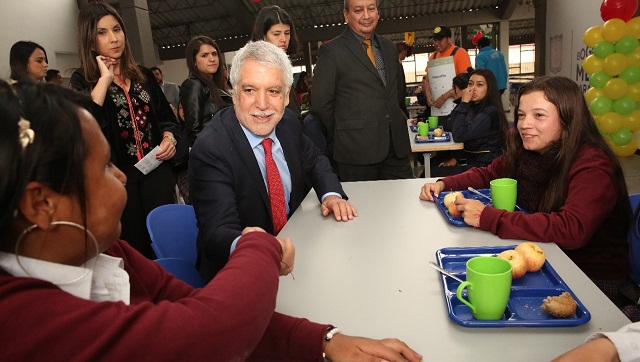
(26, 134)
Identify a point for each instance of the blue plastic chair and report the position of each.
(173, 231)
(634, 239)
(183, 270)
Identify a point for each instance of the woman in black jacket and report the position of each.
(479, 122)
(205, 92)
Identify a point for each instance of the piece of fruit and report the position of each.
(451, 197)
(453, 209)
(533, 254)
(438, 132)
(518, 263)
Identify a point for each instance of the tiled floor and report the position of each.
(631, 167)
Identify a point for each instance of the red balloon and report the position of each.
(620, 9)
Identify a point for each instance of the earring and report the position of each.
(68, 223)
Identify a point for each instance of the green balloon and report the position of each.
(624, 106)
(599, 79)
(621, 137)
(601, 105)
(631, 74)
(603, 49)
(625, 45)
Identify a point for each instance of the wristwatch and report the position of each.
(171, 138)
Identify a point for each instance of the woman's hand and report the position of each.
(466, 94)
(470, 209)
(167, 148)
(450, 162)
(431, 190)
(348, 348)
(106, 64)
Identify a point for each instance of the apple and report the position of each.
(533, 254)
(453, 209)
(438, 132)
(451, 197)
(518, 263)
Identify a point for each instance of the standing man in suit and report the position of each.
(355, 94)
(232, 177)
(170, 90)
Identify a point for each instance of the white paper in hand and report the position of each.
(149, 162)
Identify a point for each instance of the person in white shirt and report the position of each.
(622, 345)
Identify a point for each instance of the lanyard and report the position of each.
(136, 133)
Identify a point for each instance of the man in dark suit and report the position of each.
(229, 173)
(357, 100)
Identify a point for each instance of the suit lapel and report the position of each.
(245, 153)
(354, 46)
(389, 55)
(292, 154)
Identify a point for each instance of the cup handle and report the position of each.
(459, 295)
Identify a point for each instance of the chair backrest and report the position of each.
(634, 238)
(183, 270)
(173, 231)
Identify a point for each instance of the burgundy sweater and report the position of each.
(231, 319)
(583, 227)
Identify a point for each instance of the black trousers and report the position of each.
(145, 193)
(391, 168)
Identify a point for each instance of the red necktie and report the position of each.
(276, 191)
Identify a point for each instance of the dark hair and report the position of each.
(51, 74)
(156, 68)
(56, 156)
(493, 98)
(270, 16)
(214, 82)
(88, 20)
(461, 80)
(19, 58)
(483, 42)
(578, 129)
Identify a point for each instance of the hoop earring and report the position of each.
(68, 223)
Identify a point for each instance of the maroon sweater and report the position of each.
(583, 227)
(230, 319)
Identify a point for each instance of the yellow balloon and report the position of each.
(615, 63)
(624, 150)
(633, 27)
(593, 92)
(633, 58)
(610, 122)
(616, 88)
(633, 91)
(592, 64)
(632, 121)
(592, 36)
(614, 29)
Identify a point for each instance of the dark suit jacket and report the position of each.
(353, 103)
(227, 188)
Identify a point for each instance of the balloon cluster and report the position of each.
(614, 75)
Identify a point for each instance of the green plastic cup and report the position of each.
(488, 285)
(407, 101)
(504, 192)
(433, 122)
(423, 129)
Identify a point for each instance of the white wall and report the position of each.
(50, 23)
(568, 20)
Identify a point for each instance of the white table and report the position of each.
(430, 148)
(370, 277)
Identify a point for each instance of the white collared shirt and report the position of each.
(107, 281)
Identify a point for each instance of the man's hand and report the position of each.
(347, 348)
(288, 256)
(341, 209)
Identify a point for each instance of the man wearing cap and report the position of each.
(493, 60)
(461, 61)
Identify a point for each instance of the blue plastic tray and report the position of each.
(527, 293)
(458, 220)
(446, 137)
(414, 128)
